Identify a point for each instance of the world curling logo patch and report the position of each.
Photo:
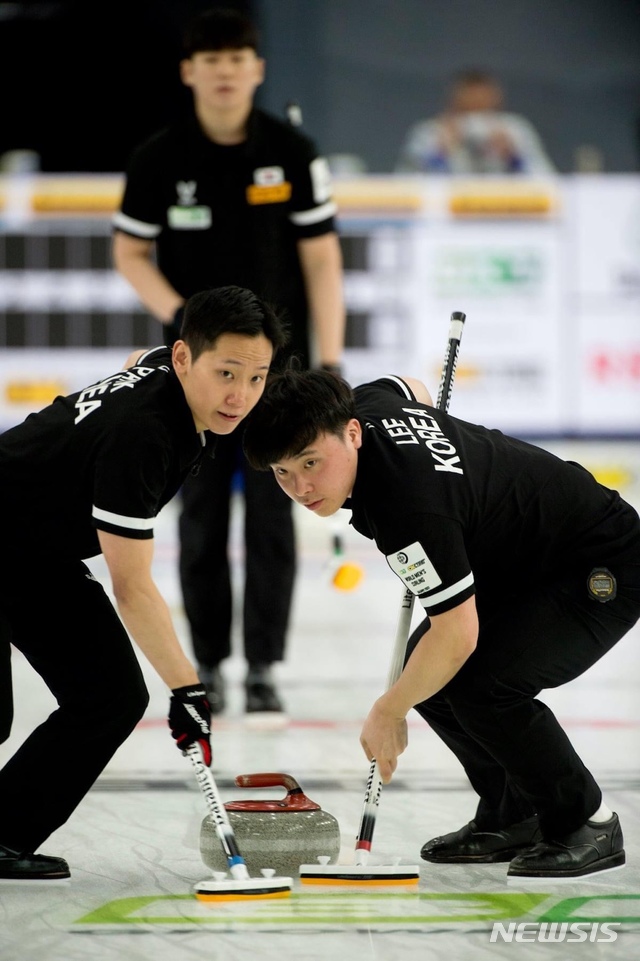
(412, 566)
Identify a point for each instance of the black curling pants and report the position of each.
(269, 562)
(61, 619)
(516, 755)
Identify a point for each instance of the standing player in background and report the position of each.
(232, 195)
(86, 476)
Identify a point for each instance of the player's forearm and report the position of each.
(437, 658)
(151, 286)
(322, 268)
(147, 618)
(327, 312)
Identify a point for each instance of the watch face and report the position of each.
(602, 585)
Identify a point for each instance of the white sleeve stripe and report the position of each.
(448, 592)
(137, 227)
(400, 384)
(121, 520)
(304, 217)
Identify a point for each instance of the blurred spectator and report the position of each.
(474, 135)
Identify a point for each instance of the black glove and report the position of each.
(332, 369)
(190, 718)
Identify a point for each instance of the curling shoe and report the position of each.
(596, 846)
(17, 866)
(215, 687)
(260, 691)
(471, 846)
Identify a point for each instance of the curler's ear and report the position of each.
(181, 355)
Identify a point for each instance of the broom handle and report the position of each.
(207, 785)
(374, 781)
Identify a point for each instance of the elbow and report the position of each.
(465, 648)
(126, 591)
(467, 630)
(121, 595)
(116, 253)
(471, 645)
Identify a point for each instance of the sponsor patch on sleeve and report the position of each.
(320, 179)
(412, 566)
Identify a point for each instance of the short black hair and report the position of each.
(296, 408)
(474, 76)
(220, 28)
(230, 310)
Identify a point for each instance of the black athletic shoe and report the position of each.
(215, 687)
(17, 866)
(596, 846)
(471, 846)
(261, 692)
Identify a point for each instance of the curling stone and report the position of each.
(281, 834)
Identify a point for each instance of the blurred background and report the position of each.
(546, 268)
(88, 80)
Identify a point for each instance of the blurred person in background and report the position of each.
(474, 135)
(233, 195)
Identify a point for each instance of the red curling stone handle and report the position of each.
(295, 799)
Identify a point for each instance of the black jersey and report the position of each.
(460, 509)
(231, 214)
(107, 457)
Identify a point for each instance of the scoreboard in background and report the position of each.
(547, 271)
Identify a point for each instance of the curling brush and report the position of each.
(345, 575)
(240, 886)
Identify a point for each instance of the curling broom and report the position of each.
(240, 886)
(396, 874)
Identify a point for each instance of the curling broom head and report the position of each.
(368, 875)
(221, 888)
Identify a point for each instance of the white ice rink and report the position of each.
(133, 844)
